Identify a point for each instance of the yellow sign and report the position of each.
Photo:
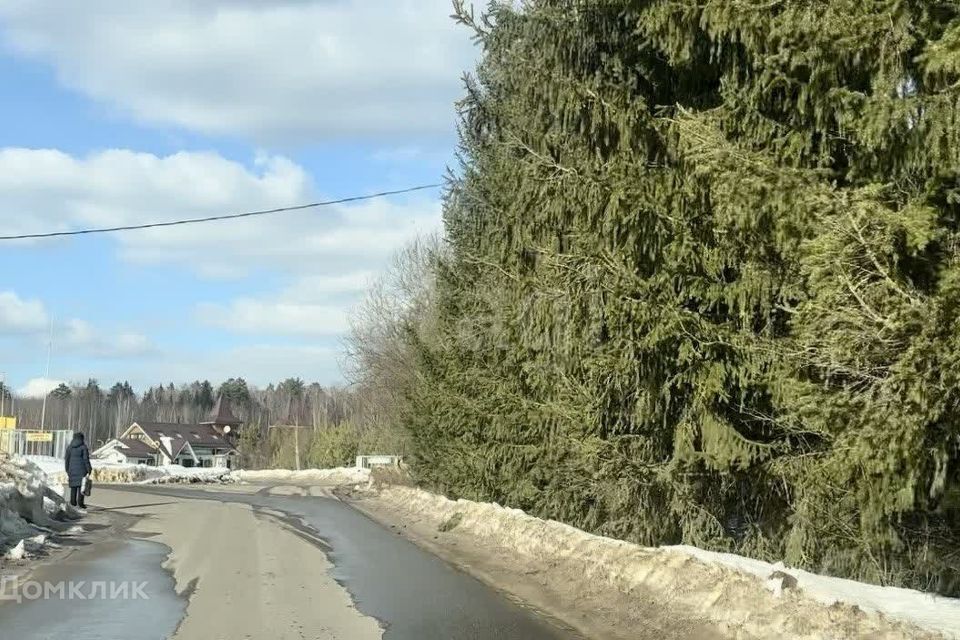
(8, 422)
(39, 436)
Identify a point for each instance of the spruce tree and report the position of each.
(702, 283)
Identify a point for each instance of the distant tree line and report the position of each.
(334, 429)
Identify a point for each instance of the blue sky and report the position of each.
(123, 113)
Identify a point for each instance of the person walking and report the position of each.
(77, 463)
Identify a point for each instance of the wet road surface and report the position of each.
(414, 594)
(87, 611)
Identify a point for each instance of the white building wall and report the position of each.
(368, 462)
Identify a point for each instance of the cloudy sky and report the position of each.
(119, 112)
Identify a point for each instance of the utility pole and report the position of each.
(43, 410)
(3, 393)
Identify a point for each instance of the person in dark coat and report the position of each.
(77, 463)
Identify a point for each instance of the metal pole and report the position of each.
(43, 411)
(3, 392)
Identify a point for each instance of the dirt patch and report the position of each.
(450, 523)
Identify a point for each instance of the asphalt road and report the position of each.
(412, 594)
(85, 614)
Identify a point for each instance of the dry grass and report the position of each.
(391, 476)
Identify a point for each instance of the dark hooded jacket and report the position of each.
(77, 460)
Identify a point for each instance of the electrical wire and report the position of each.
(229, 216)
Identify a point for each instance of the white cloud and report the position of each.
(313, 305)
(38, 387)
(328, 255)
(29, 319)
(21, 316)
(311, 287)
(77, 332)
(249, 315)
(79, 336)
(259, 364)
(405, 155)
(43, 190)
(267, 363)
(279, 70)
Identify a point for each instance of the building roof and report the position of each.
(203, 435)
(176, 431)
(221, 414)
(131, 447)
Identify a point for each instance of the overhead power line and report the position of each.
(229, 216)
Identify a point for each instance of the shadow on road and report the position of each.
(123, 508)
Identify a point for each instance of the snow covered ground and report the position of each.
(926, 610)
(335, 476)
(749, 598)
(28, 509)
(110, 472)
(721, 574)
(17, 480)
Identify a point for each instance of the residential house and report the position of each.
(127, 451)
(211, 443)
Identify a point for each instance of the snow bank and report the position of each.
(335, 476)
(111, 472)
(27, 504)
(49, 465)
(922, 609)
(106, 472)
(17, 552)
(116, 473)
(748, 598)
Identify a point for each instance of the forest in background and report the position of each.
(338, 423)
(699, 282)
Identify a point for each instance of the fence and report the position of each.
(35, 443)
(369, 462)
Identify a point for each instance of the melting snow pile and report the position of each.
(335, 476)
(28, 507)
(749, 598)
(926, 610)
(141, 474)
(115, 473)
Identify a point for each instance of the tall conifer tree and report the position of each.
(703, 284)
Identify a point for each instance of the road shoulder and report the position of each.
(98, 527)
(593, 611)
